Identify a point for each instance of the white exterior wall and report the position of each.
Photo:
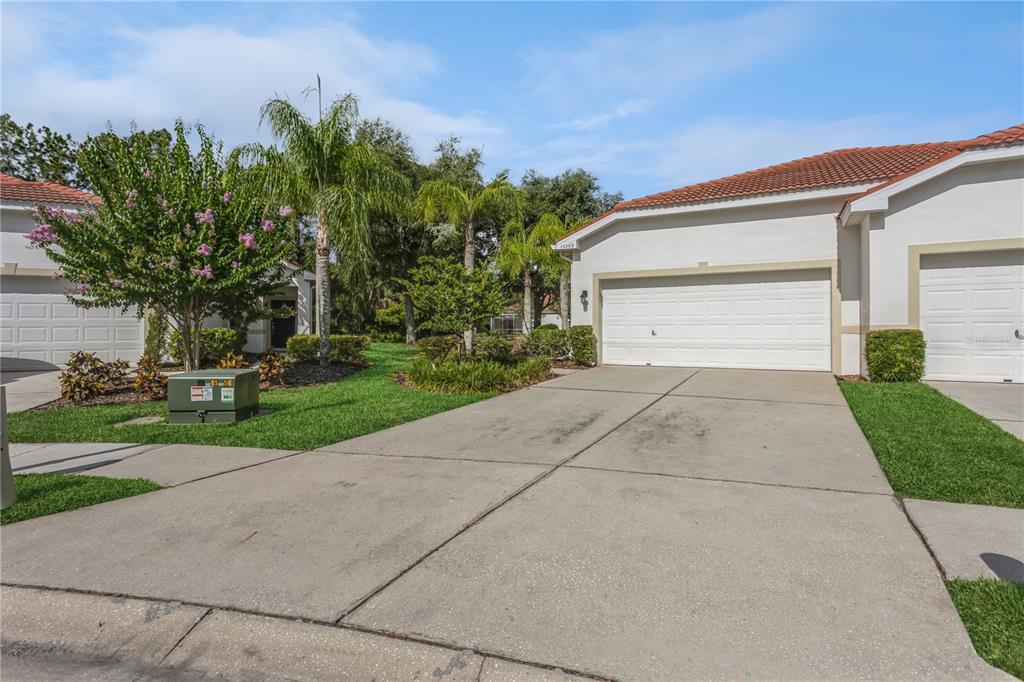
(984, 201)
(799, 231)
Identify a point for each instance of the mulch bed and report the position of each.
(312, 374)
(298, 375)
(120, 395)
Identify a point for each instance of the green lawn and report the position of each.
(993, 613)
(934, 448)
(300, 419)
(42, 494)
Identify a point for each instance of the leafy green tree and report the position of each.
(188, 233)
(575, 196)
(451, 299)
(462, 206)
(335, 180)
(39, 154)
(524, 250)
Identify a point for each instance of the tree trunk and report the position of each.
(197, 335)
(185, 329)
(410, 320)
(563, 298)
(469, 261)
(323, 291)
(527, 301)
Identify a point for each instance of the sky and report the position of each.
(647, 96)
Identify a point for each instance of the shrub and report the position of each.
(549, 343)
(272, 367)
(343, 347)
(528, 371)
(303, 347)
(387, 336)
(149, 381)
(895, 354)
(476, 376)
(549, 325)
(86, 376)
(582, 344)
(232, 361)
(473, 376)
(493, 347)
(437, 348)
(214, 344)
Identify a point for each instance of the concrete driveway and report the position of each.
(623, 523)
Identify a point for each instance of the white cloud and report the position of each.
(625, 109)
(221, 76)
(652, 60)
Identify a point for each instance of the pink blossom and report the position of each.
(161, 200)
(235, 264)
(285, 211)
(267, 225)
(204, 250)
(129, 201)
(204, 271)
(248, 239)
(148, 175)
(117, 283)
(79, 288)
(226, 198)
(188, 231)
(172, 263)
(42, 234)
(205, 217)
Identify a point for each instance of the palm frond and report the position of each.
(440, 199)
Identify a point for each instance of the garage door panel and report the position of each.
(40, 325)
(66, 334)
(970, 307)
(756, 320)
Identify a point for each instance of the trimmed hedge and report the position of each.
(895, 355)
(476, 376)
(546, 342)
(214, 344)
(437, 348)
(582, 344)
(343, 347)
(494, 347)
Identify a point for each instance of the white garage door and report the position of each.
(756, 320)
(39, 328)
(971, 307)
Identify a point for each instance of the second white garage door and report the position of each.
(972, 314)
(39, 328)
(778, 320)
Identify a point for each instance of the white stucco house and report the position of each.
(39, 327)
(788, 267)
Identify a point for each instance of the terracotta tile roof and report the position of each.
(16, 189)
(843, 167)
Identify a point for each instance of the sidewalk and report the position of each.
(972, 541)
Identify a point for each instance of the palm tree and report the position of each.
(462, 208)
(524, 250)
(334, 180)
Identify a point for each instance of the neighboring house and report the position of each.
(787, 267)
(39, 327)
(510, 320)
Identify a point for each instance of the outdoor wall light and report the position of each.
(583, 299)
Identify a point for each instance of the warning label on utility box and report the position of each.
(202, 393)
(227, 395)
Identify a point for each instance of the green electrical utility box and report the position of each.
(213, 395)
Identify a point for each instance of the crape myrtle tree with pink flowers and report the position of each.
(184, 228)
